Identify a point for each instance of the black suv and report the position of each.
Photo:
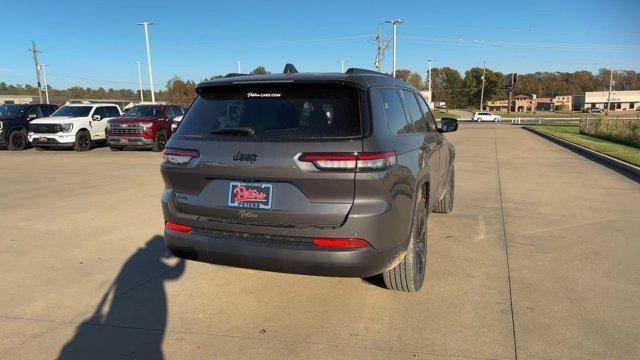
(323, 174)
(14, 122)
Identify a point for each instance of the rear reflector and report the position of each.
(177, 227)
(350, 161)
(180, 156)
(348, 243)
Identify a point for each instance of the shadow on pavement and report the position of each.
(128, 323)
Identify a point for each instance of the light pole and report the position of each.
(429, 82)
(610, 88)
(239, 62)
(395, 23)
(342, 62)
(484, 68)
(146, 37)
(44, 77)
(140, 81)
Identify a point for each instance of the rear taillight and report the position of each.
(180, 156)
(177, 227)
(343, 243)
(351, 161)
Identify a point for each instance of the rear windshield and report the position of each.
(282, 112)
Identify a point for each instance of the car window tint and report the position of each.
(112, 111)
(429, 119)
(276, 112)
(391, 106)
(416, 115)
(100, 111)
(35, 110)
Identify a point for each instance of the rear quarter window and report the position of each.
(276, 112)
(387, 101)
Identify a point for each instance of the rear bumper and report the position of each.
(297, 256)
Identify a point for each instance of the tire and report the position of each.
(18, 140)
(445, 205)
(116, 148)
(479, 120)
(408, 276)
(83, 141)
(159, 142)
(495, 120)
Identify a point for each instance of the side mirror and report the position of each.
(97, 117)
(448, 125)
(31, 116)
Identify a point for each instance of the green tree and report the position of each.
(447, 86)
(179, 92)
(416, 80)
(472, 84)
(260, 70)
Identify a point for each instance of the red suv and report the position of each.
(143, 126)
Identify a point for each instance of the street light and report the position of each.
(239, 62)
(146, 37)
(342, 62)
(44, 77)
(140, 81)
(395, 23)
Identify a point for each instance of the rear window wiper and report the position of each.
(234, 131)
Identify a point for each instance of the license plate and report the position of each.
(124, 140)
(42, 139)
(250, 195)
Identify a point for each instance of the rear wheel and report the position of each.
(495, 120)
(159, 142)
(445, 205)
(17, 140)
(83, 141)
(408, 276)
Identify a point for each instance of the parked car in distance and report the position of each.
(175, 123)
(317, 174)
(143, 126)
(14, 123)
(78, 126)
(485, 116)
(592, 110)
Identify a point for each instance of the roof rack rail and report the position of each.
(290, 69)
(363, 71)
(230, 75)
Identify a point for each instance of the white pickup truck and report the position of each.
(79, 126)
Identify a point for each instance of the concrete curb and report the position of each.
(618, 165)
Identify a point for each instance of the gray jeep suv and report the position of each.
(322, 174)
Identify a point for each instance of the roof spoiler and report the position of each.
(363, 71)
(290, 69)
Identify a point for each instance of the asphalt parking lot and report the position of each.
(540, 258)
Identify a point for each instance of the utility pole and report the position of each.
(146, 37)
(44, 77)
(342, 62)
(610, 88)
(35, 53)
(429, 82)
(484, 68)
(395, 23)
(140, 81)
(381, 46)
(239, 62)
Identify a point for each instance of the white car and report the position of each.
(75, 125)
(175, 123)
(485, 116)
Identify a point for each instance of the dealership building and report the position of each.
(620, 100)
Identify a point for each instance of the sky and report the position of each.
(96, 43)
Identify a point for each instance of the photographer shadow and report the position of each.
(131, 318)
